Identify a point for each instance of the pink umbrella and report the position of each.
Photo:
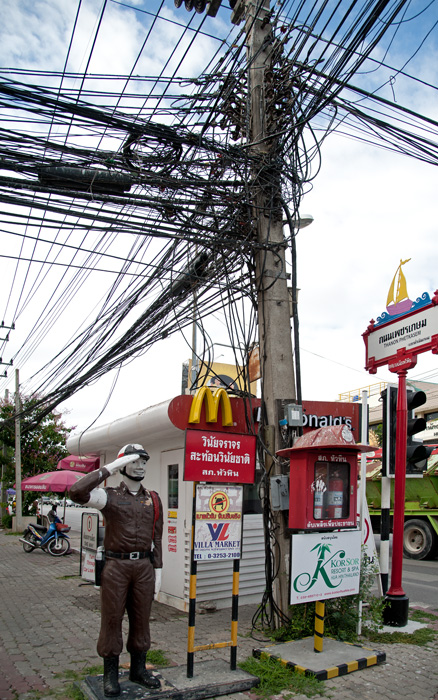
(58, 481)
(76, 463)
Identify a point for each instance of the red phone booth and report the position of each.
(323, 479)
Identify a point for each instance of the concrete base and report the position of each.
(336, 658)
(210, 678)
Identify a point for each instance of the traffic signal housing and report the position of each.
(389, 425)
(417, 454)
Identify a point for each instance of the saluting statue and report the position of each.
(131, 575)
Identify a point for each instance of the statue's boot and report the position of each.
(111, 687)
(139, 674)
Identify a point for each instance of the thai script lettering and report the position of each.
(404, 330)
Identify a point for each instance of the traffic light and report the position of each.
(389, 423)
(417, 454)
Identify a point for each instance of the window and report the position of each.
(172, 486)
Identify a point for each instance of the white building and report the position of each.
(164, 442)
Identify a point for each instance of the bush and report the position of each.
(7, 521)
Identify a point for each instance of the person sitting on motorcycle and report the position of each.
(54, 519)
(53, 515)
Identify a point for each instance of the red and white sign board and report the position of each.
(219, 457)
(398, 342)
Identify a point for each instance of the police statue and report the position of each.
(131, 575)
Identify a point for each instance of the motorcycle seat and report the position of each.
(40, 528)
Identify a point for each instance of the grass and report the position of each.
(157, 658)
(420, 637)
(276, 678)
(423, 616)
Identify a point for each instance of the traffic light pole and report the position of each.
(396, 612)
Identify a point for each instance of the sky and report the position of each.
(370, 208)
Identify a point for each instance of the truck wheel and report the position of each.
(419, 539)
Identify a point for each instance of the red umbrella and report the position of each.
(58, 481)
(76, 463)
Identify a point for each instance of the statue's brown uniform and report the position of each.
(128, 574)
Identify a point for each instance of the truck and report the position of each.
(420, 537)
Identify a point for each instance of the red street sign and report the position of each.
(397, 343)
(219, 457)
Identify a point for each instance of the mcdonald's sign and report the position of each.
(212, 402)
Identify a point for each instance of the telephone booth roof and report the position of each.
(333, 437)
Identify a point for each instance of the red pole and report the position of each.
(397, 609)
(399, 487)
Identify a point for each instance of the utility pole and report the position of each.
(276, 358)
(18, 499)
(3, 494)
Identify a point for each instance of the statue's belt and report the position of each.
(127, 555)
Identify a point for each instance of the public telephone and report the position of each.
(323, 479)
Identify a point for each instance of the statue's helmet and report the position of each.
(133, 449)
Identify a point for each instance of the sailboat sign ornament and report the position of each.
(404, 330)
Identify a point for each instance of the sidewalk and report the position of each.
(49, 622)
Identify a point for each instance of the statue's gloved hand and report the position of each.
(120, 462)
(157, 582)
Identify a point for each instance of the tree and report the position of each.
(43, 443)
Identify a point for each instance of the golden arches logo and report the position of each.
(212, 403)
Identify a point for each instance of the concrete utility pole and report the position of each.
(3, 494)
(18, 499)
(276, 358)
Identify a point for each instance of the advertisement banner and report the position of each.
(219, 457)
(324, 565)
(218, 522)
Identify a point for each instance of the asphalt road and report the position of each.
(420, 578)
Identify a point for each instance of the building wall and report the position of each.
(165, 446)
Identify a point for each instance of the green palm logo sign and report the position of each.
(304, 581)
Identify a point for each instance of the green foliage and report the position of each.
(423, 615)
(420, 637)
(7, 521)
(275, 678)
(157, 657)
(377, 431)
(43, 444)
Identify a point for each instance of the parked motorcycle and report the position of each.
(53, 540)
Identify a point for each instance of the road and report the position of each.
(420, 578)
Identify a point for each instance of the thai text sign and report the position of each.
(219, 457)
(218, 522)
(90, 530)
(324, 565)
(411, 334)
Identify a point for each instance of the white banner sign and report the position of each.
(324, 565)
(218, 522)
(408, 333)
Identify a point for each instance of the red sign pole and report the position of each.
(396, 613)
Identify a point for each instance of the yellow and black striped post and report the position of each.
(318, 637)
(192, 595)
(234, 614)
